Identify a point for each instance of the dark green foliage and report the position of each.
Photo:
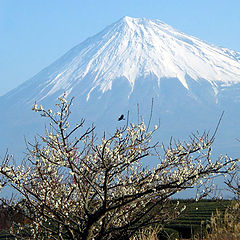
(194, 219)
(6, 236)
(168, 234)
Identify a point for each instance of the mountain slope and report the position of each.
(134, 48)
(129, 63)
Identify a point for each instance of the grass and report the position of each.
(146, 234)
(204, 220)
(193, 221)
(225, 226)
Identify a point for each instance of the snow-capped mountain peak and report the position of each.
(134, 48)
(129, 63)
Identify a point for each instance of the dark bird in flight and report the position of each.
(121, 118)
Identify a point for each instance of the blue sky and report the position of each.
(34, 33)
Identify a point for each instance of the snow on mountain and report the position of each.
(130, 62)
(134, 48)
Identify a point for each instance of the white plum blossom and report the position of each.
(78, 186)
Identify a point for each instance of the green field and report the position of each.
(196, 216)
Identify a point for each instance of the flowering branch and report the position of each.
(76, 187)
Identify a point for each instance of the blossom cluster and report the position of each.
(78, 187)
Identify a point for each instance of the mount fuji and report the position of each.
(125, 65)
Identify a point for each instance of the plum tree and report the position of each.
(76, 186)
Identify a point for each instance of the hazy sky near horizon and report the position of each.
(34, 33)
